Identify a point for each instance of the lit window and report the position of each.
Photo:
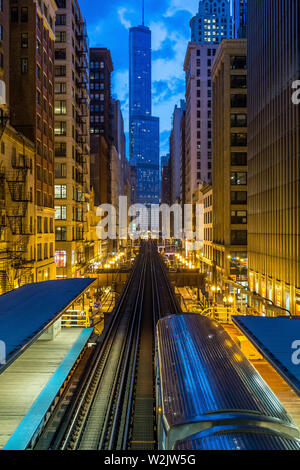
(61, 259)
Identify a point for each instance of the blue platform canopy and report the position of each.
(276, 339)
(27, 312)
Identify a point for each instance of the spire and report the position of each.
(143, 14)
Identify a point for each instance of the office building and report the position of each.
(212, 23)
(144, 128)
(209, 27)
(72, 139)
(230, 216)
(274, 155)
(101, 68)
(240, 13)
(30, 175)
(175, 152)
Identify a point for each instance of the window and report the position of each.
(60, 36)
(60, 170)
(24, 66)
(238, 197)
(239, 140)
(14, 15)
(60, 88)
(60, 191)
(60, 234)
(61, 20)
(238, 178)
(60, 54)
(60, 259)
(61, 3)
(24, 15)
(239, 217)
(60, 71)
(60, 149)
(39, 251)
(60, 107)
(239, 237)
(238, 81)
(60, 212)
(46, 225)
(238, 120)
(39, 224)
(239, 159)
(238, 63)
(238, 101)
(60, 128)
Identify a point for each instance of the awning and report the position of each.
(27, 312)
(278, 340)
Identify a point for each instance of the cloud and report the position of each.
(169, 22)
(182, 5)
(122, 12)
(159, 34)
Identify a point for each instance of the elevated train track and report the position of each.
(121, 396)
(113, 406)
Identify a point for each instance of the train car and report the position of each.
(209, 396)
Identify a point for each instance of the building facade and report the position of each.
(198, 134)
(31, 111)
(101, 68)
(212, 23)
(209, 27)
(166, 180)
(175, 152)
(230, 216)
(206, 258)
(72, 139)
(274, 154)
(240, 18)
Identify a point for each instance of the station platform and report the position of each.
(280, 387)
(41, 339)
(29, 386)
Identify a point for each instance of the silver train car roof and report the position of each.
(203, 372)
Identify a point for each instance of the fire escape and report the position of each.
(82, 116)
(14, 205)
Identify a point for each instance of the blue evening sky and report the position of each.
(108, 22)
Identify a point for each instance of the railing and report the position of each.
(75, 319)
(221, 314)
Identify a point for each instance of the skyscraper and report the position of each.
(72, 140)
(101, 68)
(175, 151)
(210, 25)
(240, 13)
(144, 128)
(274, 151)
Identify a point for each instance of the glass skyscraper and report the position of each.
(144, 128)
(239, 13)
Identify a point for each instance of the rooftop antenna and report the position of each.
(143, 14)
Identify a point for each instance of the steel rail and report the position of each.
(135, 342)
(78, 404)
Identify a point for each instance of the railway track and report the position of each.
(114, 404)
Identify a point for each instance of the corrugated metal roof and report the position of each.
(239, 441)
(26, 312)
(203, 371)
(274, 338)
